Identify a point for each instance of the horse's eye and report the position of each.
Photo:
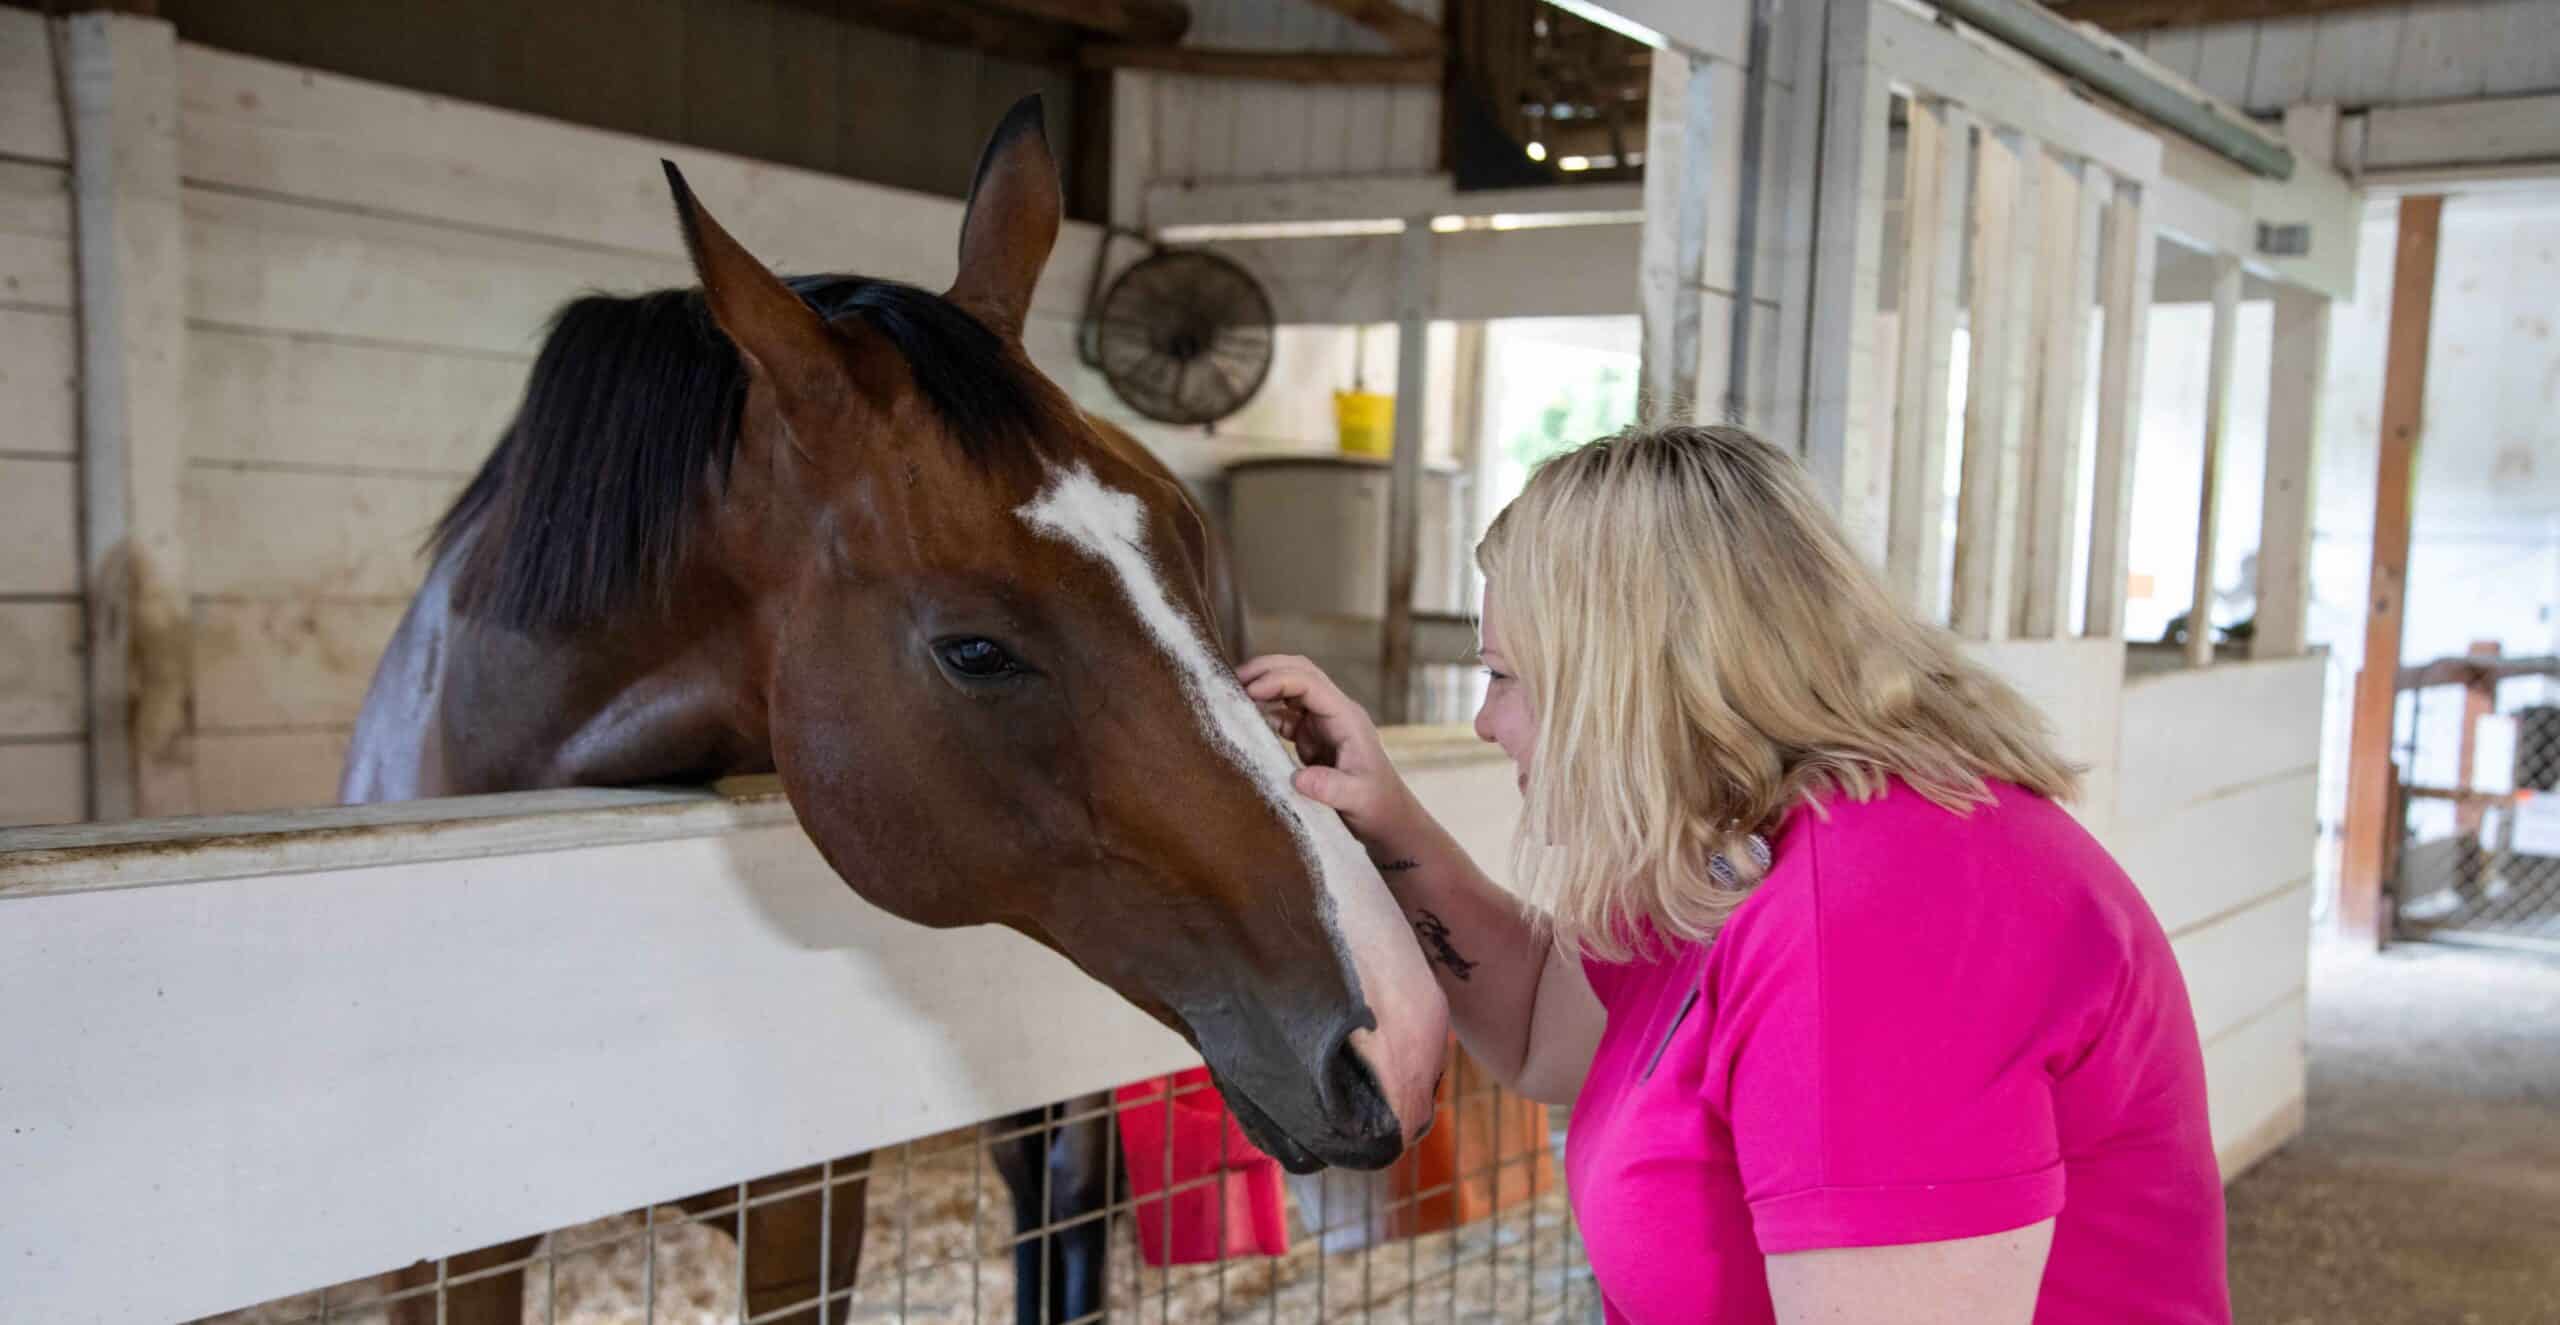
(976, 658)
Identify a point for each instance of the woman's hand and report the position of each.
(1347, 765)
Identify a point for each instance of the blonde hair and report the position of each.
(1702, 651)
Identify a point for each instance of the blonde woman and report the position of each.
(1856, 1022)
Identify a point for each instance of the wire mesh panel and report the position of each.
(1471, 1225)
(2478, 753)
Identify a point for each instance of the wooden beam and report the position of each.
(1672, 273)
(2481, 131)
(2479, 700)
(1407, 32)
(1004, 36)
(1344, 67)
(1369, 198)
(2006, 213)
(1938, 153)
(2296, 363)
(2124, 298)
(2370, 775)
(132, 290)
(1151, 22)
(2217, 422)
(1404, 477)
(2051, 458)
(1846, 448)
(2135, 15)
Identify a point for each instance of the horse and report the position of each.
(841, 530)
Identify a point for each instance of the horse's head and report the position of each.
(995, 694)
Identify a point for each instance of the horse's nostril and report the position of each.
(1354, 1102)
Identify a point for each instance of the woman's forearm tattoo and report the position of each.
(1399, 865)
(1434, 933)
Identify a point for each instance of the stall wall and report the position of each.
(43, 704)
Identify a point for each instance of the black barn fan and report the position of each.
(1183, 336)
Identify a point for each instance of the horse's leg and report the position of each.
(496, 1300)
(784, 1238)
(1057, 1172)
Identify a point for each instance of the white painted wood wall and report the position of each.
(370, 273)
(43, 687)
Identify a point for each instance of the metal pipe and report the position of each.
(2036, 31)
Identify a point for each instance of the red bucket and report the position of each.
(1207, 1196)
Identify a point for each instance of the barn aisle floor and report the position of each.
(2427, 1185)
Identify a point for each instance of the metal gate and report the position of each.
(2477, 754)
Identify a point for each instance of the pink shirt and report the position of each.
(1918, 1027)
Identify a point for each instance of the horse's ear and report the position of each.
(1012, 221)
(782, 338)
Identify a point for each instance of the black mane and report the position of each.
(582, 509)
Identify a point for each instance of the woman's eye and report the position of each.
(976, 658)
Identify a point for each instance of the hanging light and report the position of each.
(1537, 151)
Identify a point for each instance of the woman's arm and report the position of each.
(1522, 1008)
(1989, 1280)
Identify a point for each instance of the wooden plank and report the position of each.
(43, 782)
(2006, 213)
(1369, 198)
(43, 687)
(253, 126)
(1545, 271)
(269, 770)
(1794, 152)
(1134, 20)
(30, 103)
(1846, 449)
(2124, 299)
(2524, 56)
(265, 399)
(1134, 94)
(2189, 734)
(2254, 1085)
(298, 663)
(2177, 50)
(132, 291)
(2209, 857)
(2297, 363)
(284, 534)
(35, 236)
(2245, 961)
(2143, 15)
(2217, 421)
(1404, 487)
(1322, 67)
(266, 265)
(2481, 132)
(2051, 461)
(1938, 157)
(1413, 125)
(39, 526)
(1678, 133)
(2223, 56)
(2078, 685)
(2404, 385)
(39, 383)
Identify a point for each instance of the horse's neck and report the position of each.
(460, 708)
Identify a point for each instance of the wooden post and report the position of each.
(1467, 445)
(2051, 460)
(1846, 448)
(2370, 828)
(132, 297)
(1404, 482)
(1938, 153)
(2479, 700)
(2125, 294)
(2005, 213)
(2297, 361)
(2217, 421)
(1678, 134)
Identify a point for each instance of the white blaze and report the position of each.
(1367, 928)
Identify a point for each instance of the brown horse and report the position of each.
(842, 530)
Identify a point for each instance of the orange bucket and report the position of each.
(1201, 1192)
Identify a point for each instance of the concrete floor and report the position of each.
(2427, 1186)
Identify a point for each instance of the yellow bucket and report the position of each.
(1366, 422)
